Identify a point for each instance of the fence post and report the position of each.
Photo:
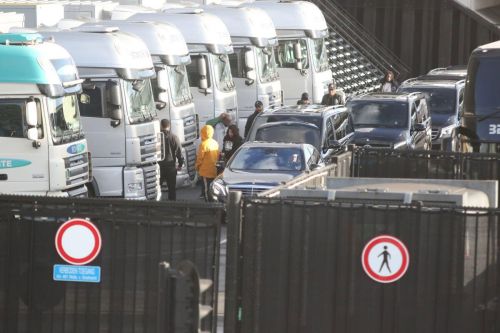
(163, 317)
(233, 298)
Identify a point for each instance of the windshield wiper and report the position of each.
(489, 115)
(64, 135)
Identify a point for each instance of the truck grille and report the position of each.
(77, 169)
(151, 180)
(190, 128)
(435, 133)
(191, 160)
(150, 148)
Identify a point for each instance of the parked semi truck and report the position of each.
(209, 72)
(43, 149)
(10, 20)
(302, 54)
(481, 118)
(171, 90)
(118, 110)
(253, 63)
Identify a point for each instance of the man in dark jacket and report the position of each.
(259, 107)
(332, 98)
(168, 169)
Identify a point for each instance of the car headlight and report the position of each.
(219, 189)
(399, 145)
(447, 131)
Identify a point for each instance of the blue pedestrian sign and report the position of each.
(70, 273)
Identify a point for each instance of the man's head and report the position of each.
(332, 89)
(259, 107)
(165, 124)
(305, 98)
(389, 76)
(226, 119)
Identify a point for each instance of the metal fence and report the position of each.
(136, 238)
(295, 266)
(424, 164)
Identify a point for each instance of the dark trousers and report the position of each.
(169, 174)
(205, 188)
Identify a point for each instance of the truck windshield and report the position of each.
(439, 100)
(266, 64)
(223, 75)
(64, 118)
(481, 91)
(379, 114)
(140, 95)
(178, 80)
(320, 55)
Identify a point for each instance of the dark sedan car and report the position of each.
(259, 166)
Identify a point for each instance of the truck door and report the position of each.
(24, 165)
(203, 98)
(247, 90)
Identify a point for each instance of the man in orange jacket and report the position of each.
(206, 159)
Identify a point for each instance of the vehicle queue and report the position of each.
(121, 103)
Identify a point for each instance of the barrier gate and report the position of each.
(134, 293)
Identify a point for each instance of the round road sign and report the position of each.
(78, 241)
(385, 259)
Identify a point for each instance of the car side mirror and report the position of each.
(202, 72)
(31, 114)
(419, 127)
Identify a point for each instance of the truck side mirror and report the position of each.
(297, 54)
(250, 67)
(114, 94)
(32, 133)
(202, 72)
(163, 97)
(162, 80)
(31, 114)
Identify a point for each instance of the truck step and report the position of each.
(205, 284)
(205, 310)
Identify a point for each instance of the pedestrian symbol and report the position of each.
(385, 259)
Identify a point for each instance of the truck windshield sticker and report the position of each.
(7, 163)
(76, 148)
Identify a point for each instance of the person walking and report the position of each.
(259, 107)
(304, 99)
(232, 141)
(220, 125)
(206, 159)
(168, 168)
(332, 97)
(388, 83)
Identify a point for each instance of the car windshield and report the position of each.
(266, 64)
(178, 80)
(320, 55)
(290, 133)
(140, 95)
(379, 114)
(439, 100)
(64, 118)
(223, 73)
(268, 159)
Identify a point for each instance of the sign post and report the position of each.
(78, 242)
(385, 259)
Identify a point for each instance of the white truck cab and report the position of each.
(10, 20)
(171, 89)
(119, 116)
(209, 72)
(253, 63)
(43, 149)
(302, 54)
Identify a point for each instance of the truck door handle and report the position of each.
(4, 176)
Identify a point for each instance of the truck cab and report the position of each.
(43, 148)
(302, 54)
(209, 72)
(253, 63)
(118, 110)
(172, 94)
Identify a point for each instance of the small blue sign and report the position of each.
(71, 273)
(7, 163)
(76, 148)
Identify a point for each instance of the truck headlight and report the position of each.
(134, 187)
(447, 131)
